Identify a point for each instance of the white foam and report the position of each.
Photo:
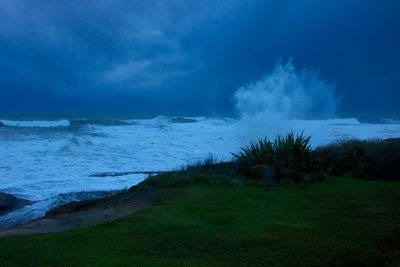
(42, 124)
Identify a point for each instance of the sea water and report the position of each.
(53, 161)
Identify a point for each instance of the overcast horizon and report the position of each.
(190, 57)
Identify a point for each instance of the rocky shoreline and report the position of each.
(9, 203)
(90, 212)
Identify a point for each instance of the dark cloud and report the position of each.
(190, 56)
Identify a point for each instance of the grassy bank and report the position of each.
(220, 220)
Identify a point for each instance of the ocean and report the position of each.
(55, 161)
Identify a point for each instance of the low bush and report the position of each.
(288, 156)
(343, 157)
(372, 159)
(385, 160)
(293, 152)
(291, 157)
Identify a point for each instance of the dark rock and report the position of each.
(6, 201)
(114, 174)
(9, 203)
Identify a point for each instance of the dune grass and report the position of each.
(340, 222)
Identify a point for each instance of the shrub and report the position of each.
(260, 153)
(293, 152)
(369, 159)
(385, 160)
(344, 156)
(288, 156)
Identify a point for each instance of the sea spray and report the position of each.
(268, 105)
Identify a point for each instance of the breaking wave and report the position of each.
(286, 93)
(38, 124)
(267, 106)
(99, 122)
(62, 123)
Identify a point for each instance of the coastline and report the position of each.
(10, 203)
(222, 219)
(87, 213)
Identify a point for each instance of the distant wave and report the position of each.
(100, 122)
(350, 121)
(40, 124)
(165, 120)
(62, 123)
(184, 120)
(390, 121)
(76, 123)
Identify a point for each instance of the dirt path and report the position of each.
(87, 213)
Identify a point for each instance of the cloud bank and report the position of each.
(189, 57)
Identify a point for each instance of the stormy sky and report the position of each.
(189, 57)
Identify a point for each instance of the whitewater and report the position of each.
(52, 162)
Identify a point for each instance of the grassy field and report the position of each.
(340, 222)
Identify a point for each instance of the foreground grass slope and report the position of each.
(340, 222)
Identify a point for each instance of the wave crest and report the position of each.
(35, 123)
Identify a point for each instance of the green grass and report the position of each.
(341, 222)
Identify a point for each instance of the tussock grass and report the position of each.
(288, 156)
